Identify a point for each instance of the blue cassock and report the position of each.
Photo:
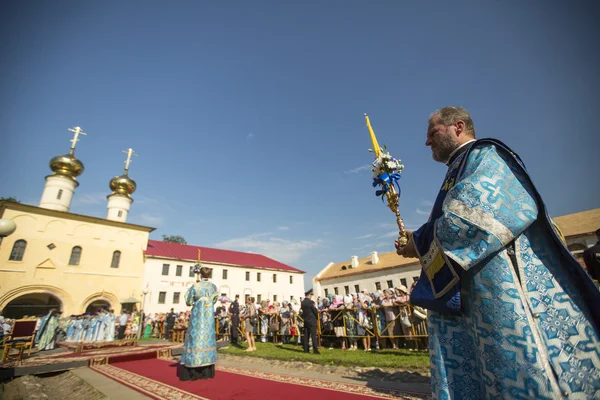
(200, 346)
(512, 314)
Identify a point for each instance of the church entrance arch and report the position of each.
(97, 306)
(101, 300)
(31, 304)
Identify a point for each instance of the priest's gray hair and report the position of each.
(449, 115)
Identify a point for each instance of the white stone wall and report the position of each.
(234, 284)
(367, 280)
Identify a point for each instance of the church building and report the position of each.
(71, 262)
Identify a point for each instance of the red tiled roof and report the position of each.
(156, 248)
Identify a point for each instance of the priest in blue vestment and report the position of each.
(512, 315)
(45, 337)
(200, 347)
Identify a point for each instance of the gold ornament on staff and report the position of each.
(386, 173)
(197, 267)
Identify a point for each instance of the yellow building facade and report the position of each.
(71, 262)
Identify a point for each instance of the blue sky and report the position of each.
(248, 116)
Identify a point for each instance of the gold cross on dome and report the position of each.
(77, 131)
(129, 153)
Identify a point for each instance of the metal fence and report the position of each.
(382, 324)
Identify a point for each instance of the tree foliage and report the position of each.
(174, 239)
(10, 199)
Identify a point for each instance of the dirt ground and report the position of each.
(60, 387)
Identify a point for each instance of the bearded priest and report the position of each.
(512, 314)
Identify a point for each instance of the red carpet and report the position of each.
(157, 379)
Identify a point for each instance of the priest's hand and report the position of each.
(409, 250)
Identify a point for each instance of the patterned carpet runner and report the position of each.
(157, 378)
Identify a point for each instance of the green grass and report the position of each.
(416, 361)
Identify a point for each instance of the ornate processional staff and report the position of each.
(197, 267)
(386, 174)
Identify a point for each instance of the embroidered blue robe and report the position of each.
(200, 346)
(46, 336)
(513, 315)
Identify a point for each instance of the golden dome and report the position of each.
(122, 185)
(66, 165)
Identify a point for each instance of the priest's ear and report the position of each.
(459, 127)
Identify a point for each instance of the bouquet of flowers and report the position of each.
(196, 269)
(386, 174)
(386, 171)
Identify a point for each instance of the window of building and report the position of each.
(415, 278)
(274, 298)
(176, 297)
(116, 259)
(161, 297)
(165, 270)
(59, 194)
(258, 298)
(347, 290)
(179, 270)
(291, 279)
(326, 292)
(247, 275)
(403, 281)
(291, 298)
(191, 271)
(18, 250)
(75, 256)
(246, 297)
(377, 285)
(258, 277)
(224, 274)
(274, 278)
(335, 290)
(223, 294)
(120, 213)
(390, 284)
(356, 289)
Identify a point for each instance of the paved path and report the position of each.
(113, 390)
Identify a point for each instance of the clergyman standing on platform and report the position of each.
(170, 323)
(234, 310)
(200, 347)
(311, 318)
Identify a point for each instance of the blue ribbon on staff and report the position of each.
(385, 180)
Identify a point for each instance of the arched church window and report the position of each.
(75, 256)
(116, 258)
(18, 250)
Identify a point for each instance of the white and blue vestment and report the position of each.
(512, 314)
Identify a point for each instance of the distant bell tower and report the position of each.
(122, 186)
(60, 186)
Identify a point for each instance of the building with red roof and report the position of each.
(168, 274)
